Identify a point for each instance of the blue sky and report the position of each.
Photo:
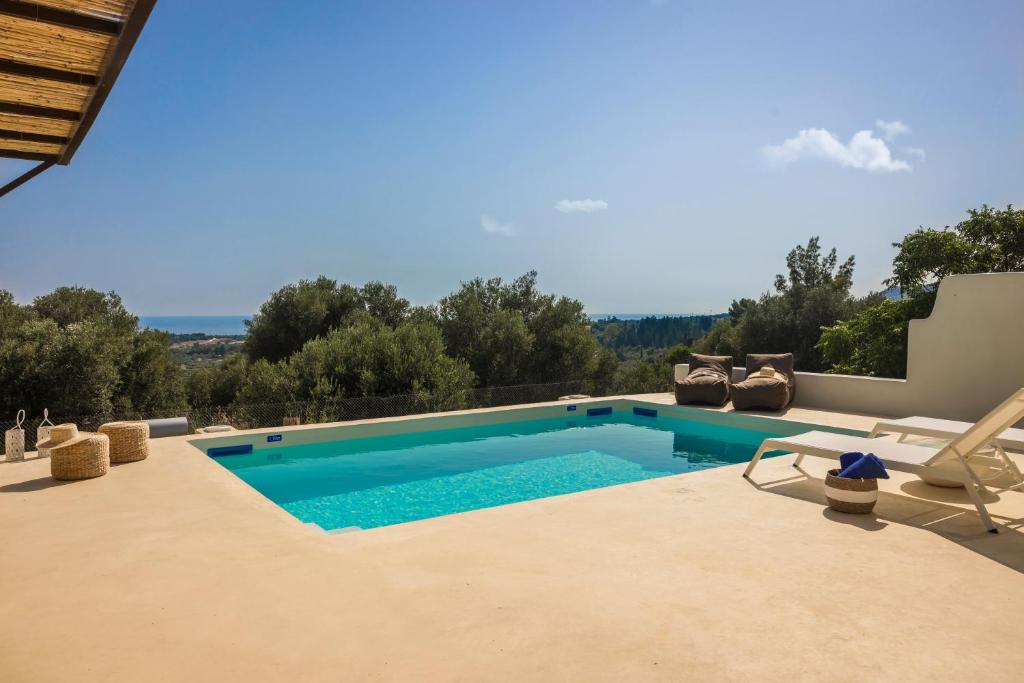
(250, 144)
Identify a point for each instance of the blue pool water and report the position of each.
(386, 480)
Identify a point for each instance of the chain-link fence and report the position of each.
(254, 415)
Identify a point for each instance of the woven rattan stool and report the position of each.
(129, 441)
(75, 455)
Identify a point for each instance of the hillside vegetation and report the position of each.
(79, 352)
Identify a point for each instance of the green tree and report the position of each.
(368, 358)
(70, 305)
(267, 382)
(809, 270)
(680, 353)
(383, 303)
(217, 386)
(603, 380)
(644, 376)
(151, 383)
(510, 333)
(721, 340)
(78, 352)
(814, 293)
(874, 340)
(651, 332)
(988, 241)
(297, 313)
(738, 307)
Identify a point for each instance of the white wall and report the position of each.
(962, 360)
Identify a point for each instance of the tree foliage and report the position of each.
(653, 331)
(77, 351)
(369, 358)
(510, 333)
(874, 340)
(219, 385)
(297, 313)
(815, 292)
(345, 342)
(988, 241)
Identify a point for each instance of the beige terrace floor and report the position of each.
(171, 569)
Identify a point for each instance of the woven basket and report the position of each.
(129, 441)
(81, 458)
(855, 496)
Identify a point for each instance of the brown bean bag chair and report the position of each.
(766, 392)
(707, 382)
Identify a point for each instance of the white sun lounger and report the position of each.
(903, 457)
(1010, 439)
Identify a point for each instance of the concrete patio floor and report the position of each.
(172, 569)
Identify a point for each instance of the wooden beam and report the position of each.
(32, 71)
(41, 112)
(132, 28)
(26, 156)
(31, 137)
(59, 17)
(27, 176)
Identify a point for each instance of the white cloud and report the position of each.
(493, 227)
(915, 152)
(864, 151)
(583, 205)
(890, 129)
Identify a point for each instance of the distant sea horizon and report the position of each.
(233, 325)
(214, 325)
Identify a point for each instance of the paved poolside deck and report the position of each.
(172, 569)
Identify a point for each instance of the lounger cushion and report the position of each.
(766, 393)
(707, 382)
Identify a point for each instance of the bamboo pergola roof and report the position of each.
(58, 61)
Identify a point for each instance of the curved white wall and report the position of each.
(962, 360)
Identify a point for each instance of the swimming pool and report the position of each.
(391, 478)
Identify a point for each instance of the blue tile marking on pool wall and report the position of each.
(571, 409)
(591, 412)
(645, 412)
(271, 438)
(229, 450)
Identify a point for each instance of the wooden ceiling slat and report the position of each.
(8, 66)
(35, 137)
(42, 92)
(27, 156)
(33, 42)
(7, 144)
(41, 112)
(34, 124)
(59, 17)
(108, 9)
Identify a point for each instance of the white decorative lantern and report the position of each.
(14, 441)
(43, 433)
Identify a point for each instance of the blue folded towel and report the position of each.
(847, 459)
(860, 466)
